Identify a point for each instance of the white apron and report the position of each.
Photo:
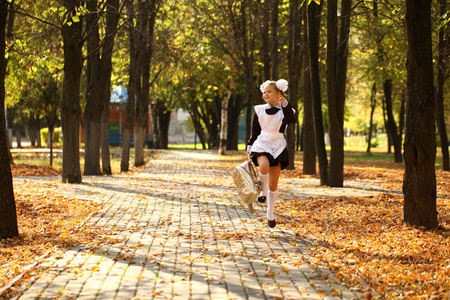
(270, 140)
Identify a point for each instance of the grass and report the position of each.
(43, 159)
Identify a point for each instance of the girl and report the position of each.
(267, 145)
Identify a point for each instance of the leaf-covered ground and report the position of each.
(361, 237)
(365, 237)
(48, 224)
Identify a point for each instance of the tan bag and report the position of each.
(247, 182)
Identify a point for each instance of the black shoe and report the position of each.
(271, 223)
(262, 199)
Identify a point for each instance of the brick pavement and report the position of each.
(181, 233)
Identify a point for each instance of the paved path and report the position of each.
(182, 233)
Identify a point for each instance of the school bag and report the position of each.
(247, 182)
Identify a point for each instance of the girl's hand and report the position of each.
(282, 100)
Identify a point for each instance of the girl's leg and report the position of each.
(274, 175)
(263, 163)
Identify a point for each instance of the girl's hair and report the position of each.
(281, 85)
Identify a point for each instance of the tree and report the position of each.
(294, 69)
(224, 118)
(314, 12)
(308, 133)
(337, 58)
(149, 10)
(99, 68)
(442, 63)
(387, 76)
(70, 107)
(373, 104)
(8, 217)
(419, 181)
(133, 73)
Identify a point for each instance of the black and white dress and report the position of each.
(267, 136)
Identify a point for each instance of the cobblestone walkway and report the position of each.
(182, 233)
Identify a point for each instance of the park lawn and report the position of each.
(357, 237)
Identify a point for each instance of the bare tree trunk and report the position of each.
(274, 39)
(163, 125)
(309, 146)
(32, 130)
(149, 11)
(106, 159)
(314, 12)
(70, 106)
(373, 103)
(198, 127)
(18, 138)
(224, 118)
(265, 43)
(155, 127)
(392, 126)
(134, 76)
(99, 73)
(419, 181)
(295, 67)
(8, 216)
(442, 67)
(337, 58)
(51, 132)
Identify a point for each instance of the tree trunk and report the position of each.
(18, 138)
(155, 127)
(294, 70)
(401, 117)
(32, 130)
(265, 42)
(9, 123)
(141, 121)
(149, 10)
(392, 126)
(314, 12)
(133, 79)
(388, 133)
(37, 129)
(419, 181)
(198, 127)
(442, 67)
(224, 118)
(337, 58)
(163, 126)
(308, 134)
(99, 73)
(373, 103)
(235, 106)
(275, 44)
(70, 106)
(106, 160)
(51, 130)
(8, 217)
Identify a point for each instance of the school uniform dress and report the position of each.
(267, 136)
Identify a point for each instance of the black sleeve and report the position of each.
(289, 115)
(256, 130)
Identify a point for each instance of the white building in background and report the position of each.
(179, 132)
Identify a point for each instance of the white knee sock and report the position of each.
(265, 181)
(272, 197)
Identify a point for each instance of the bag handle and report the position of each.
(252, 168)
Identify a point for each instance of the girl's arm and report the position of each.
(289, 113)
